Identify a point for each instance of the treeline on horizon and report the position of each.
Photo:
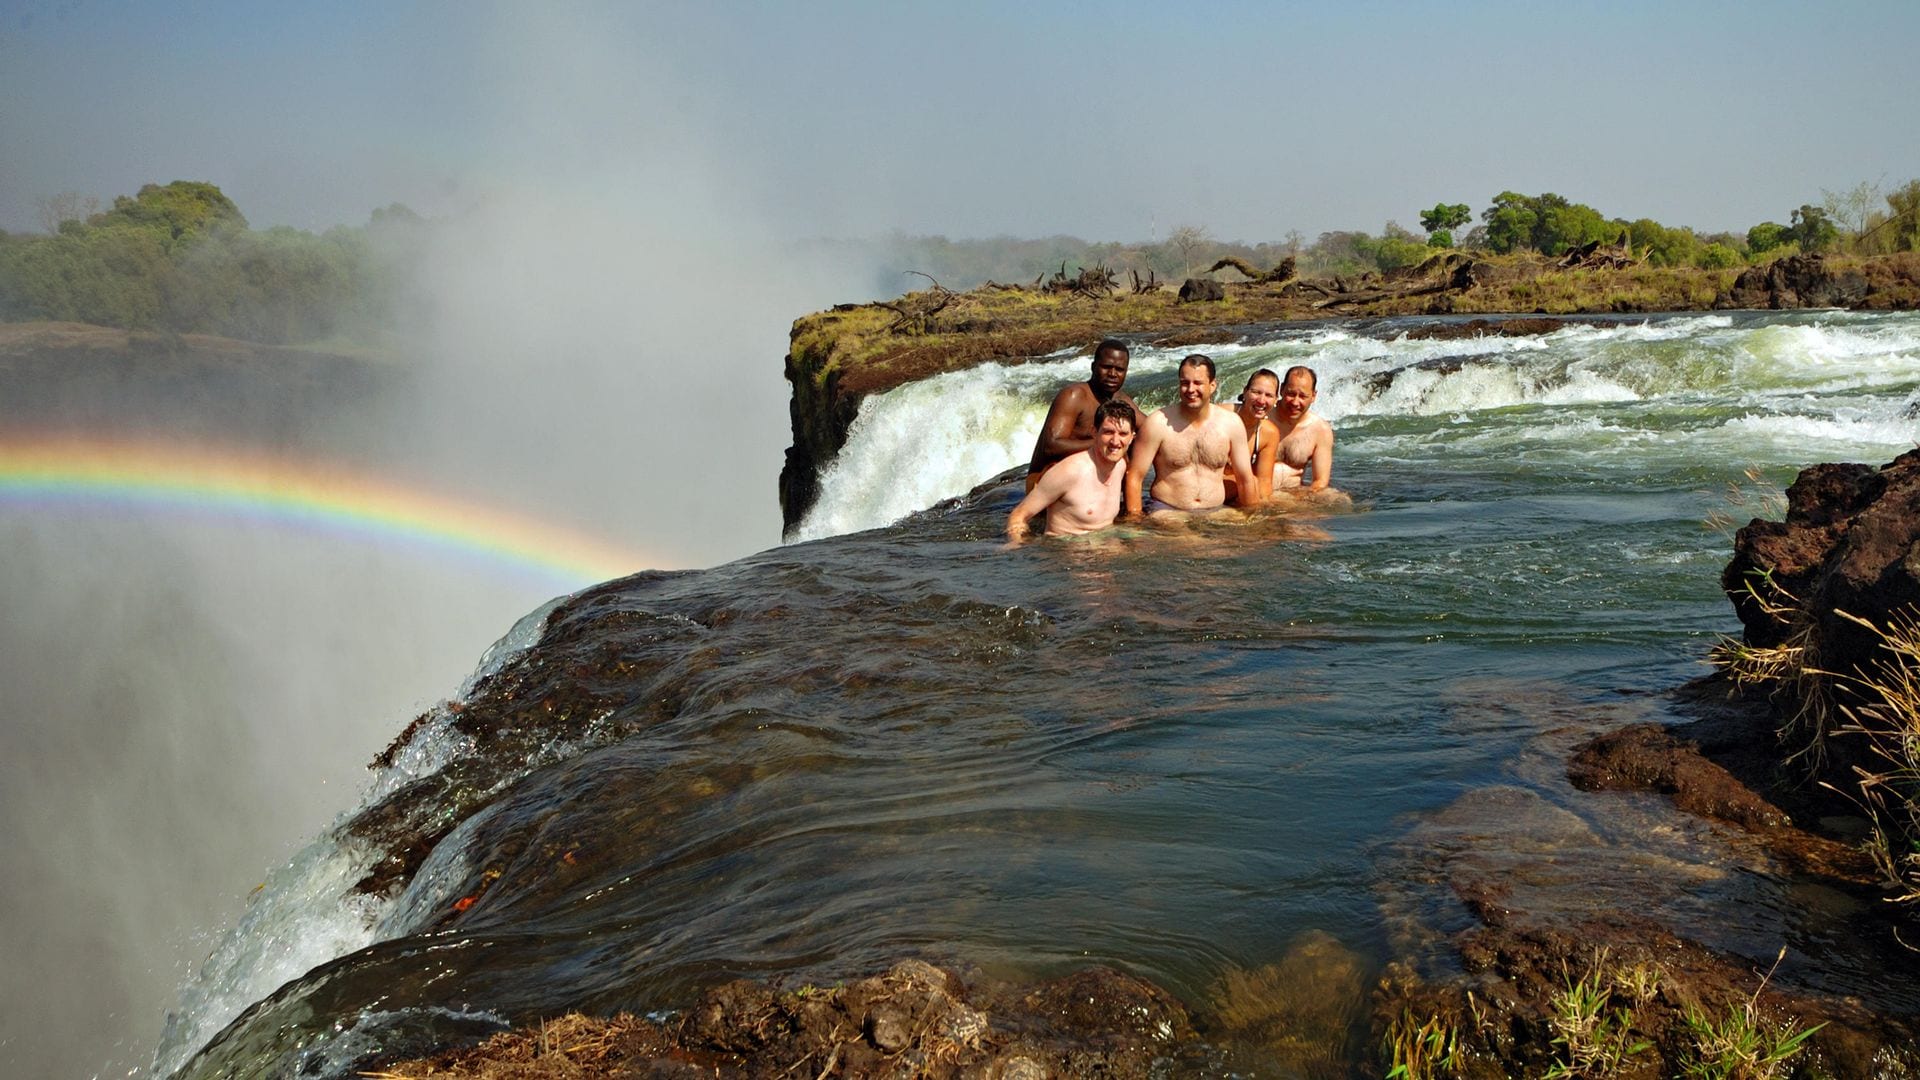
(1863, 220)
(181, 258)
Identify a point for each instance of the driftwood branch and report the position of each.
(1092, 281)
(1464, 276)
(1281, 270)
(915, 309)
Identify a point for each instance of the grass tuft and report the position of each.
(1742, 1043)
(1421, 1051)
(1594, 1035)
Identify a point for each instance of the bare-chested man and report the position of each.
(1081, 492)
(1070, 423)
(1190, 445)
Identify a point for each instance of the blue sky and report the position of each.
(1110, 121)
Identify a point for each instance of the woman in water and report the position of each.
(1263, 438)
(1305, 439)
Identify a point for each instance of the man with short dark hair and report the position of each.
(1081, 492)
(1069, 427)
(1189, 445)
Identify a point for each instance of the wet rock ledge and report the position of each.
(915, 1020)
(836, 358)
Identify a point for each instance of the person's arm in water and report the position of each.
(1263, 464)
(1144, 449)
(1249, 493)
(1056, 435)
(1322, 458)
(1044, 494)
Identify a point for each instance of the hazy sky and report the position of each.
(1106, 120)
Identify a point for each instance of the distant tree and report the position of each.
(1510, 220)
(1903, 217)
(1445, 217)
(1339, 252)
(1849, 209)
(1662, 246)
(1570, 225)
(1295, 241)
(1812, 229)
(1719, 257)
(1188, 240)
(1547, 223)
(1440, 238)
(1766, 236)
(1398, 248)
(183, 211)
(57, 210)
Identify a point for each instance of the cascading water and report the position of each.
(1173, 751)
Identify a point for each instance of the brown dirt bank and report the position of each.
(836, 358)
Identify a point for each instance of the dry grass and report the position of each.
(572, 1047)
(1889, 720)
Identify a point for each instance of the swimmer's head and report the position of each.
(1110, 359)
(1113, 430)
(1197, 381)
(1297, 392)
(1262, 390)
(1201, 360)
(1114, 410)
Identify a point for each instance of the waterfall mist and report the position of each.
(188, 700)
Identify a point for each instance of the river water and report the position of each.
(1180, 752)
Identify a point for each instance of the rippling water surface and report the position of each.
(1171, 751)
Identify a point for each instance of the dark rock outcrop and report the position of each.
(1850, 545)
(820, 414)
(1797, 281)
(1196, 289)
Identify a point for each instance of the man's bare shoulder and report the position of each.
(1075, 395)
(1075, 465)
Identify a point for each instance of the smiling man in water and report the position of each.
(1081, 492)
(1190, 445)
(1070, 423)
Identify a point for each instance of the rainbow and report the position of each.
(226, 481)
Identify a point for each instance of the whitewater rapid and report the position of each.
(1772, 389)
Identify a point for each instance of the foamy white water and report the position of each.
(1783, 389)
(307, 913)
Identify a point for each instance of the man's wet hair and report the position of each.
(1201, 360)
(1268, 372)
(1313, 381)
(1116, 409)
(1115, 344)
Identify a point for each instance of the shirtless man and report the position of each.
(1081, 492)
(1306, 439)
(1189, 445)
(1070, 423)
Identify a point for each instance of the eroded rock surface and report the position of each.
(1797, 281)
(916, 1020)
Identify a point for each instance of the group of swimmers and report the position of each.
(1096, 448)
